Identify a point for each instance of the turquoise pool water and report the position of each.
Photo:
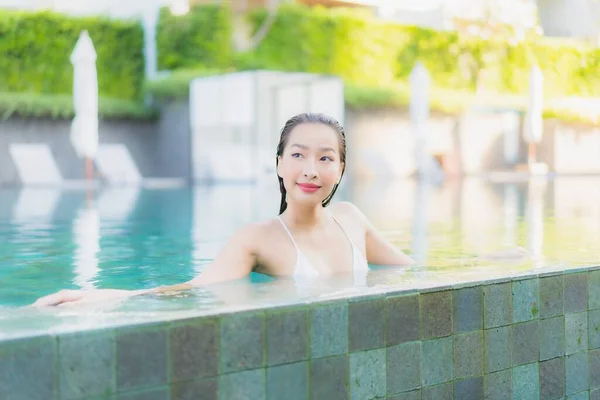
(129, 238)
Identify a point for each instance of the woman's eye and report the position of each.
(326, 158)
(296, 155)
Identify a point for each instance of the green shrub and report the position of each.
(395, 96)
(35, 50)
(60, 106)
(177, 84)
(201, 37)
(569, 68)
(368, 52)
(364, 97)
(352, 45)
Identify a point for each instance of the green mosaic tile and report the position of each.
(468, 355)
(594, 329)
(242, 342)
(498, 350)
(194, 349)
(366, 325)
(497, 305)
(594, 360)
(525, 343)
(552, 337)
(86, 365)
(552, 379)
(577, 373)
(526, 382)
(525, 295)
(552, 296)
(595, 394)
(413, 395)
(288, 382)
(287, 336)
(402, 319)
(329, 378)
(437, 361)
(141, 358)
(576, 333)
(468, 309)
(594, 289)
(206, 388)
(368, 374)
(498, 385)
(246, 385)
(444, 391)
(436, 314)
(329, 330)
(161, 393)
(27, 369)
(576, 292)
(469, 389)
(403, 367)
(579, 396)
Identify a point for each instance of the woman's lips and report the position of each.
(308, 187)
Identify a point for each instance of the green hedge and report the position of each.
(366, 51)
(341, 42)
(60, 106)
(35, 50)
(176, 85)
(200, 37)
(395, 96)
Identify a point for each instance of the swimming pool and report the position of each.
(129, 238)
(469, 232)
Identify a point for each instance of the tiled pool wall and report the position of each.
(527, 338)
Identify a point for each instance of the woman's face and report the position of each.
(310, 165)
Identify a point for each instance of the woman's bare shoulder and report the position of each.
(257, 232)
(347, 210)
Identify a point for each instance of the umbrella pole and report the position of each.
(89, 170)
(531, 154)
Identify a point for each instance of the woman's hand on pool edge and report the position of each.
(72, 296)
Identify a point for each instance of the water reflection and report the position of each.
(535, 219)
(461, 220)
(127, 238)
(86, 238)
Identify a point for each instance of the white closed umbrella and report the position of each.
(84, 129)
(420, 84)
(534, 121)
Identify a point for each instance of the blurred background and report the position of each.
(135, 136)
(481, 86)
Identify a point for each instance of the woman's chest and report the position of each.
(325, 254)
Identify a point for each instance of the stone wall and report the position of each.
(159, 148)
(529, 337)
(380, 144)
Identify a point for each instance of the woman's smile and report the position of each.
(308, 187)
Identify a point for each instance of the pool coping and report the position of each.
(355, 295)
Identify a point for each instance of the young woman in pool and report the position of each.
(310, 239)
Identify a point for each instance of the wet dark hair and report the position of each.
(309, 118)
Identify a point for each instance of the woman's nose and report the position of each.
(309, 169)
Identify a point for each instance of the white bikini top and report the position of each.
(304, 270)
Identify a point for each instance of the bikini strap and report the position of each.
(342, 228)
(354, 248)
(288, 232)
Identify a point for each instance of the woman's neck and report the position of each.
(305, 218)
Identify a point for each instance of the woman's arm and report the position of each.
(234, 261)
